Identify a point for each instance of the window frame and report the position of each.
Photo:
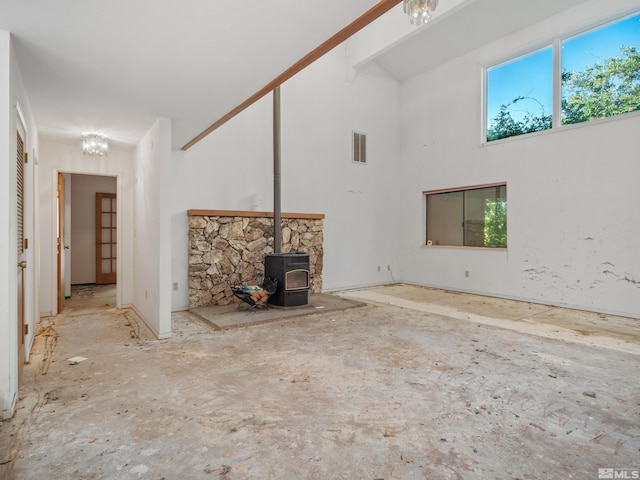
(537, 48)
(556, 45)
(425, 195)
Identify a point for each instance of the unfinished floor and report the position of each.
(415, 384)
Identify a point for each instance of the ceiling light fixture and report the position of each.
(419, 11)
(95, 145)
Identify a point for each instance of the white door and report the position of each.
(22, 263)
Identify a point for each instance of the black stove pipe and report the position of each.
(277, 213)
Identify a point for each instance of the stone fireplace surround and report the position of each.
(227, 247)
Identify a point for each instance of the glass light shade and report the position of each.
(419, 11)
(95, 145)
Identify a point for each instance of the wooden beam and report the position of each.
(365, 19)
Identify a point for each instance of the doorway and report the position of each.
(84, 236)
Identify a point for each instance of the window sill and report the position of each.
(456, 247)
(562, 128)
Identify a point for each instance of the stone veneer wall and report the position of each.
(228, 248)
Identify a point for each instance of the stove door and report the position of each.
(296, 280)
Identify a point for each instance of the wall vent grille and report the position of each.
(359, 147)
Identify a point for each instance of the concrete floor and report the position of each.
(416, 384)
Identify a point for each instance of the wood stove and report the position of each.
(291, 270)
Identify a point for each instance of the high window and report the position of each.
(598, 77)
(601, 72)
(520, 95)
(471, 217)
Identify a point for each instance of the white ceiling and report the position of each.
(114, 67)
(463, 29)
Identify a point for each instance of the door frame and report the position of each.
(60, 229)
(54, 220)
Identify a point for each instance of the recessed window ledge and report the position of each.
(456, 247)
(563, 128)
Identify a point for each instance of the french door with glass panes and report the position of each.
(106, 234)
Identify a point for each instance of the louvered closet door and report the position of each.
(22, 263)
(106, 245)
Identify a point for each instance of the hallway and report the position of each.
(416, 384)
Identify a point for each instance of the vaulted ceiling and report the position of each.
(114, 67)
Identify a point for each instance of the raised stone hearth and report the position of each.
(228, 248)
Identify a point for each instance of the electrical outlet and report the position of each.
(389, 267)
(466, 273)
(175, 286)
(378, 267)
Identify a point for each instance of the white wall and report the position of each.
(8, 309)
(14, 104)
(573, 193)
(152, 238)
(320, 111)
(68, 158)
(223, 171)
(320, 108)
(83, 224)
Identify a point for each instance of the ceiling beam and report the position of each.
(362, 21)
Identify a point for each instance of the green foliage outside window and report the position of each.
(503, 124)
(495, 224)
(604, 89)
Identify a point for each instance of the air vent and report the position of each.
(359, 147)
